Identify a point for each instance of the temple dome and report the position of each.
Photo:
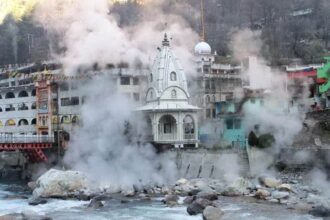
(203, 48)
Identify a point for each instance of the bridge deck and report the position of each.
(32, 147)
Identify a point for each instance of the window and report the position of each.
(136, 81)
(208, 113)
(234, 123)
(173, 76)
(238, 123)
(213, 113)
(34, 105)
(136, 97)
(33, 93)
(64, 86)
(229, 124)
(151, 78)
(10, 95)
(151, 95)
(75, 101)
(22, 94)
(207, 84)
(22, 107)
(208, 99)
(9, 108)
(34, 121)
(173, 94)
(124, 80)
(65, 101)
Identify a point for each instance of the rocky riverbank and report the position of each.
(200, 196)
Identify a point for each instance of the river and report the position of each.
(234, 208)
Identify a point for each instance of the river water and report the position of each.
(234, 208)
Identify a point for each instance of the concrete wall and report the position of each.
(208, 163)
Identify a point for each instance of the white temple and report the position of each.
(172, 120)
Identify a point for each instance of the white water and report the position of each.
(234, 208)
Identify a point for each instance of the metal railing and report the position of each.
(189, 136)
(11, 139)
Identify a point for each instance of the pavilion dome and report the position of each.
(203, 48)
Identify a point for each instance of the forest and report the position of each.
(290, 30)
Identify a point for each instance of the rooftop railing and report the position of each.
(11, 139)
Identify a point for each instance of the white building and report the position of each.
(172, 120)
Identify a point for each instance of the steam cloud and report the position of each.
(108, 146)
(90, 33)
(105, 147)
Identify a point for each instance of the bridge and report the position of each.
(31, 146)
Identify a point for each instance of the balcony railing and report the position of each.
(189, 136)
(9, 139)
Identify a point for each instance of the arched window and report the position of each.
(10, 122)
(189, 127)
(33, 93)
(151, 77)
(34, 121)
(75, 120)
(22, 107)
(0, 96)
(213, 98)
(173, 76)
(0, 109)
(151, 95)
(34, 105)
(167, 124)
(23, 94)
(207, 99)
(173, 94)
(65, 119)
(23, 122)
(10, 95)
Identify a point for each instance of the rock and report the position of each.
(209, 195)
(262, 194)
(95, 204)
(285, 187)
(280, 195)
(320, 211)
(189, 199)
(181, 181)
(171, 198)
(270, 182)
(14, 216)
(128, 193)
(31, 215)
(197, 206)
(32, 185)
(212, 213)
(237, 188)
(37, 201)
(62, 184)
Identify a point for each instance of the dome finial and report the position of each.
(166, 42)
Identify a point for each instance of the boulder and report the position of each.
(320, 211)
(262, 194)
(189, 199)
(237, 188)
(280, 195)
(197, 206)
(270, 182)
(171, 200)
(37, 201)
(95, 204)
(62, 184)
(212, 213)
(209, 195)
(285, 187)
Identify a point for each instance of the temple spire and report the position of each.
(166, 42)
(202, 22)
